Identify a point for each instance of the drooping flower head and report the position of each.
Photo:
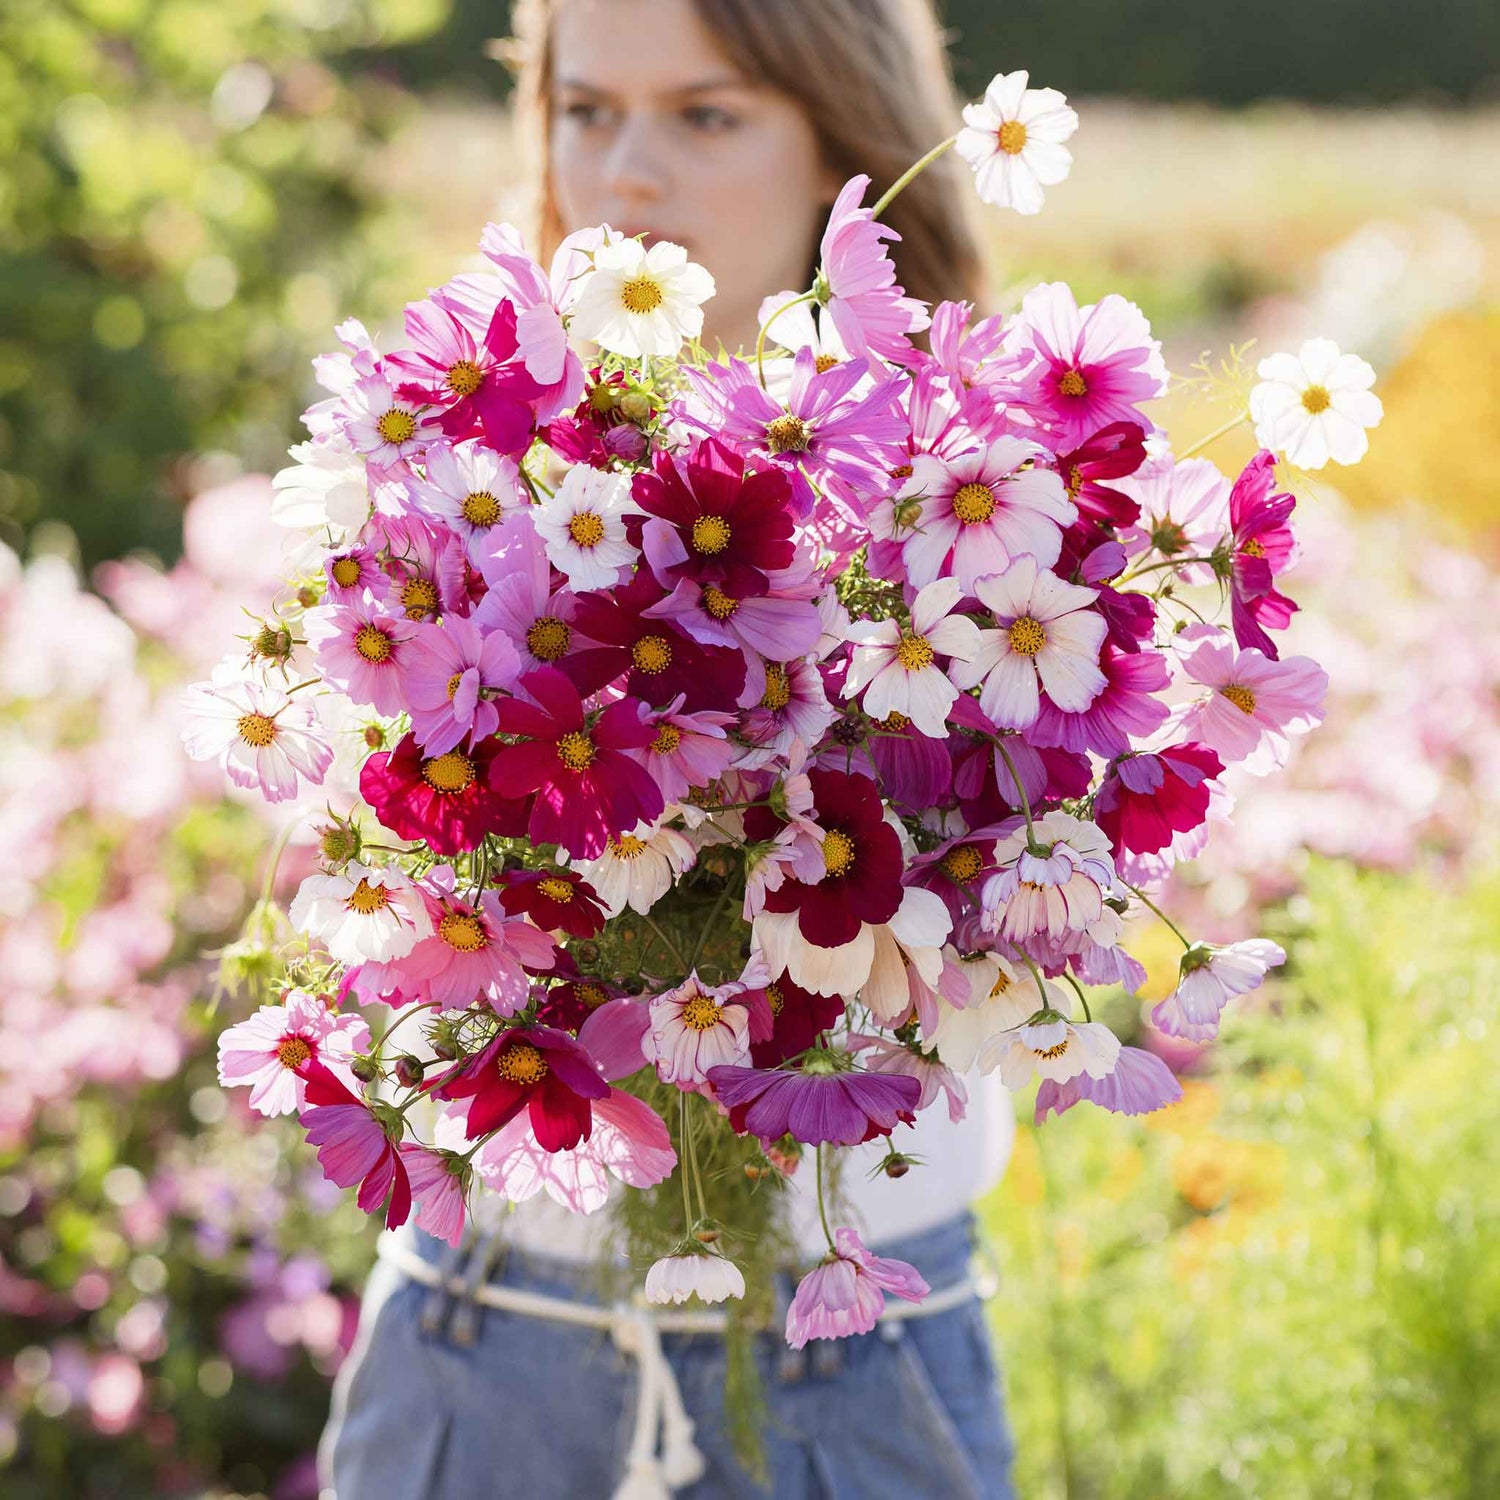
(1054, 885)
(1210, 978)
(846, 1293)
(825, 1102)
(357, 1145)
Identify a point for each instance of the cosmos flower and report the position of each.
(846, 1293)
(641, 303)
(274, 1050)
(1315, 405)
(361, 913)
(637, 868)
(825, 1102)
(1210, 977)
(582, 524)
(355, 1146)
(704, 1274)
(262, 737)
(695, 1028)
(448, 801)
(454, 672)
(1013, 139)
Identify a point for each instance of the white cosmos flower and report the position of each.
(582, 525)
(824, 971)
(637, 869)
(361, 914)
(1210, 978)
(1315, 405)
(1052, 1048)
(263, 737)
(897, 667)
(325, 488)
(1000, 998)
(912, 939)
(1047, 632)
(704, 1274)
(695, 1028)
(1014, 138)
(471, 489)
(639, 302)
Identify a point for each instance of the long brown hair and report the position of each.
(873, 79)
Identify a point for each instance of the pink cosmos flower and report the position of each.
(791, 717)
(391, 431)
(262, 737)
(1139, 1083)
(1091, 366)
(274, 1050)
(1184, 510)
(815, 1104)
(846, 1294)
(521, 601)
(884, 1054)
(689, 750)
(437, 1185)
(1057, 885)
(695, 1028)
(361, 650)
(976, 513)
(1210, 978)
(587, 790)
(1048, 637)
(426, 564)
(454, 672)
(351, 572)
(870, 311)
(1127, 708)
(1256, 705)
(470, 489)
(1144, 801)
(354, 1146)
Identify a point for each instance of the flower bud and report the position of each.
(307, 597)
(364, 1068)
(636, 406)
(374, 736)
(409, 1070)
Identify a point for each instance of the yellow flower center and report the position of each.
(373, 644)
(555, 889)
(1242, 698)
(586, 528)
(718, 604)
(778, 691)
(825, 362)
(464, 378)
(462, 932)
(903, 471)
(576, 750)
(396, 426)
(1012, 137)
(895, 721)
(914, 653)
(668, 738)
(592, 995)
(367, 899)
(345, 572)
(642, 294)
(1075, 481)
(652, 654)
(1027, 636)
(1315, 399)
(628, 846)
(419, 599)
(1073, 384)
(257, 730)
(1253, 548)
(838, 852)
(522, 1063)
(710, 534)
(962, 864)
(548, 638)
(775, 999)
(999, 987)
(974, 503)
(293, 1052)
(787, 434)
(480, 508)
(1052, 1052)
(701, 1013)
(449, 774)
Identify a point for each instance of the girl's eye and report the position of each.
(709, 117)
(584, 112)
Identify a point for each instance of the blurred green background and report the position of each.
(1286, 1286)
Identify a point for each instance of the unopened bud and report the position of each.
(374, 736)
(409, 1070)
(307, 597)
(364, 1069)
(706, 1232)
(896, 1165)
(636, 406)
(271, 643)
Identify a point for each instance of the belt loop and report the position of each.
(438, 1301)
(486, 1260)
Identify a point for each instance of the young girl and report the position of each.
(728, 127)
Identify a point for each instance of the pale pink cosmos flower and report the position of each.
(361, 914)
(790, 717)
(1184, 511)
(999, 998)
(896, 666)
(1210, 978)
(1139, 1083)
(454, 672)
(438, 1190)
(471, 489)
(263, 737)
(1049, 638)
(696, 1027)
(272, 1050)
(690, 750)
(846, 1294)
(361, 649)
(638, 868)
(976, 513)
(390, 430)
(1053, 885)
(1256, 705)
(1051, 1047)
(521, 600)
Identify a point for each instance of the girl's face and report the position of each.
(655, 130)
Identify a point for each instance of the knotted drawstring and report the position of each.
(660, 1417)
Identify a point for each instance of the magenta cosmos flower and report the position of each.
(870, 311)
(356, 1147)
(1263, 547)
(1092, 365)
(454, 673)
(587, 790)
(846, 1294)
(1145, 801)
(1256, 705)
(533, 1068)
(714, 523)
(274, 1049)
(553, 899)
(862, 864)
(689, 750)
(1126, 709)
(815, 1104)
(1113, 452)
(448, 801)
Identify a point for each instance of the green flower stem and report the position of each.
(1083, 999)
(760, 342)
(683, 1155)
(822, 1208)
(1214, 436)
(1170, 562)
(667, 943)
(884, 201)
(1152, 906)
(1015, 776)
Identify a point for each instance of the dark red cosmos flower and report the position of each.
(1145, 799)
(861, 858)
(657, 660)
(714, 523)
(536, 1068)
(571, 1003)
(586, 791)
(553, 899)
(449, 801)
(1263, 547)
(1112, 453)
(816, 1106)
(786, 1020)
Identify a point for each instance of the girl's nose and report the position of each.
(637, 166)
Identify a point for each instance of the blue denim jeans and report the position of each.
(443, 1399)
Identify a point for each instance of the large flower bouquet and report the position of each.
(724, 754)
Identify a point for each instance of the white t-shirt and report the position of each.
(961, 1161)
